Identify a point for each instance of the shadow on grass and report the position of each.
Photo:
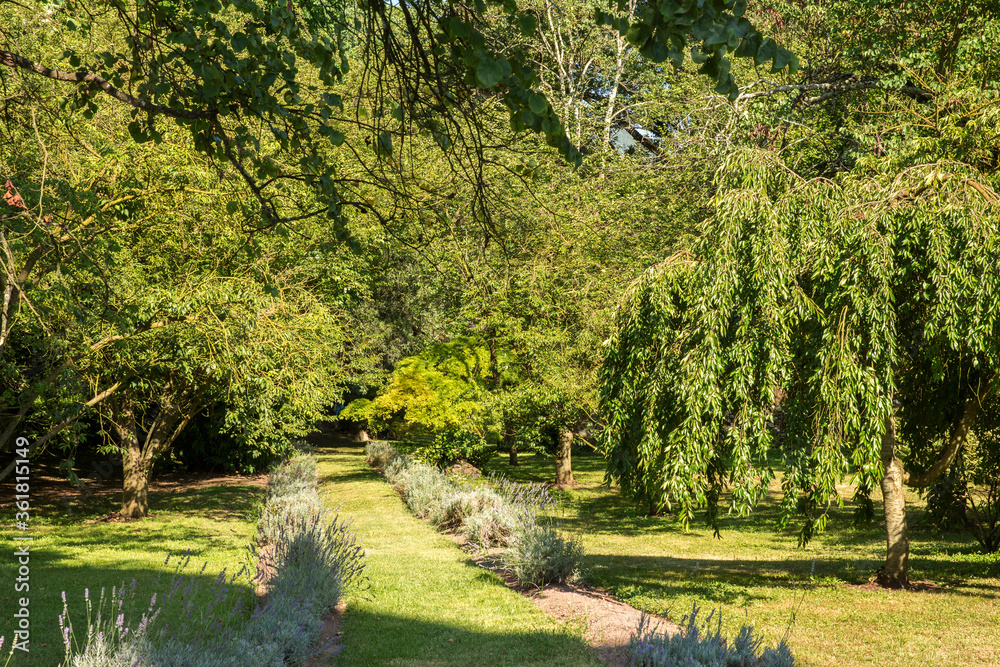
(50, 577)
(220, 502)
(732, 581)
(366, 475)
(394, 639)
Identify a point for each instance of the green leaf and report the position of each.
(656, 51)
(748, 46)
(782, 58)
(718, 37)
(740, 27)
(766, 52)
(336, 138)
(527, 23)
(489, 72)
(459, 29)
(793, 64)
(384, 144)
(639, 34)
(139, 135)
(240, 42)
(538, 103)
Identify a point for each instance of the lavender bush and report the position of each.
(500, 514)
(378, 453)
(291, 496)
(540, 554)
(697, 645)
(314, 555)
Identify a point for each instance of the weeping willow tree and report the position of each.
(854, 325)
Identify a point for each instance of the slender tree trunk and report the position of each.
(564, 466)
(508, 437)
(894, 573)
(135, 486)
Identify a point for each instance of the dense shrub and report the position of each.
(483, 517)
(220, 440)
(425, 489)
(378, 453)
(697, 645)
(448, 447)
(540, 554)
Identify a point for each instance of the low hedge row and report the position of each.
(308, 557)
(502, 514)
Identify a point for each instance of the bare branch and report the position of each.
(833, 88)
(14, 60)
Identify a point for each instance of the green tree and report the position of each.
(442, 388)
(852, 324)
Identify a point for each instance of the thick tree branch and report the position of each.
(959, 434)
(833, 88)
(14, 60)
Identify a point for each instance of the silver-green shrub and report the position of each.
(291, 497)
(378, 453)
(698, 645)
(503, 514)
(540, 554)
(314, 555)
(425, 489)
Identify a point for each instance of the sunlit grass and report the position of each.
(759, 575)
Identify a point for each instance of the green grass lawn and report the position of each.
(71, 554)
(429, 604)
(756, 575)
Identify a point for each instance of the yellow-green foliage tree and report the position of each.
(442, 388)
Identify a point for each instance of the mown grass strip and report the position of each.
(429, 604)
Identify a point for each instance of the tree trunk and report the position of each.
(564, 467)
(135, 487)
(138, 455)
(894, 573)
(135, 477)
(508, 438)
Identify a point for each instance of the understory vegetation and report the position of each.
(503, 514)
(699, 645)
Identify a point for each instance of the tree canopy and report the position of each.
(853, 324)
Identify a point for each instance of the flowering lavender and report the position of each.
(314, 555)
